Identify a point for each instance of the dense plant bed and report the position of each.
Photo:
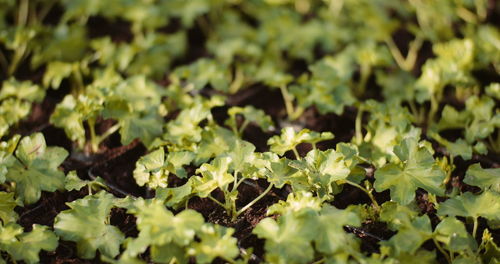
(259, 131)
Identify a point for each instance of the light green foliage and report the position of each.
(289, 139)
(73, 182)
(15, 102)
(483, 178)
(320, 171)
(250, 115)
(417, 169)
(486, 204)
(216, 241)
(411, 235)
(289, 240)
(452, 66)
(7, 205)
(204, 72)
(73, 111)
(149, 170)
(87, 224)
(214, 175)
(479, 120)
(453, 234)
(199, 87)
(26, 246)
(35, 168)
(328, 88)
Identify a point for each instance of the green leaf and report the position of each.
(453, 234)
(73, 182)
(149, 170)
(204, 72)
(486, 205)
(396, 215)
(57, 71)
(251, 115)
(323, 169)
(331, 238)
(279, 172)
(215, 241)
(35, 168)
(86, 223)
(289, 139)
(417, 170)
(26, 246)
(483, 178)
(7, 205)
(411, 236)
(288, 240)
(144, 126)
(73, 111)
(159, 226)
(296, 202)
(176, 161)
(177, 196)
(214, 175)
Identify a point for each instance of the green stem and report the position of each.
(319, 261)
(408, 63)
(288, 102)
(296, 153)
(78, 79)
(94, 142)
(433, 110)
(45, 10)
(217, 201)
(235, 184)
(372, 198)
(22, 17)
(474, 228)
(255, 200)
(108, 133)
(366, 70)
(18, 56)
(358, 124)
(240, 182)
(441, 249)
(480, 9)
(243, 127)
(237, 81)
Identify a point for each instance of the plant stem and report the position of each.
(108, 132)
(372, 198)
(433, 110)
(217, 201)
(235, 184)
(366, 70)
(255, 200)
(359, 119)
(22, 17)
(288, 102)
(474, 228)
(243, 127)
(237, 81)
(94, 144)
(18, 56)
(296, 153)
(441, 249)
(407, 63)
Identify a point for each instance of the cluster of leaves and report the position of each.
(431, 136)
